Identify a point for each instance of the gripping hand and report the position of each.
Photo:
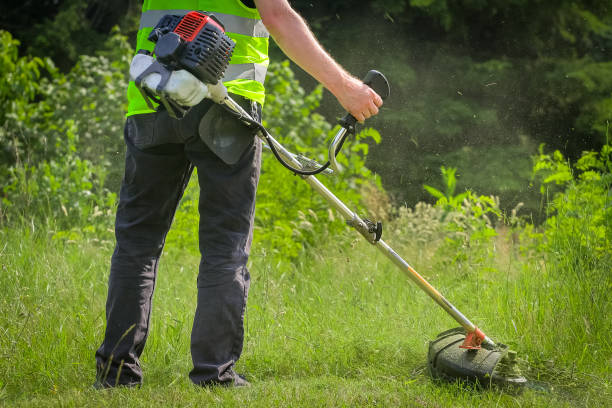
(180, 86)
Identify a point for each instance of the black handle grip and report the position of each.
(379, 84)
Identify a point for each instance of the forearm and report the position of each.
(295, 39)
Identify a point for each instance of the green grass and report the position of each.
(339, 327)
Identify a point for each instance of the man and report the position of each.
(161, 153)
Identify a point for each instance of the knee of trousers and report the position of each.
(140, 241)
(210, 276)
(132, 268)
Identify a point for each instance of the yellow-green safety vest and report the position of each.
(247, 70)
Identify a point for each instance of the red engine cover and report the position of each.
(192, 23)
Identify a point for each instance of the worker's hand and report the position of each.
(185, 89)
(358, 99)
(182, 86)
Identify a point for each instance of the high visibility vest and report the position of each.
(247, 70)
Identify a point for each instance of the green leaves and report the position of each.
(448, 198)
(577, 235)
(583, 203)
(467, 217)
(19, 76)
(59, 132)
(551, 169)
(434, 192)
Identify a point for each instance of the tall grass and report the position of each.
(341, 327)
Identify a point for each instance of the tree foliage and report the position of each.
(64, 30)
(476, 85)
(61, 133)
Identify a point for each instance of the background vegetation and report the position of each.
(477, 84)
(491, 165)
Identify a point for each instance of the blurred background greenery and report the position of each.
(476, 84)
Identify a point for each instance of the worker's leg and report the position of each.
(227, 204)
(155, 177)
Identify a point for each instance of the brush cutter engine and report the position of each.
(195, 43)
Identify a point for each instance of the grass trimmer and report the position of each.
(463, 353)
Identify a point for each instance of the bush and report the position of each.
(67, 189)
(570, 255)
(469, 217)
(61, 133)
(578, 231)
(20, 87)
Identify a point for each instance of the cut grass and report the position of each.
(340, 327)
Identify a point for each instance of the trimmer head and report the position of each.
(486, 367)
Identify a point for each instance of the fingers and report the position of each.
(360, 117)
(378, 100)
(373, 109)
(375, 98)
(373, 104)
(363, 103)
(366, 112)
(370, 110)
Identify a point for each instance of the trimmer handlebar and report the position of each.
(379, 84)
(301, 165)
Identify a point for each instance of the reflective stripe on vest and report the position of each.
(238, 25)
(247, 70)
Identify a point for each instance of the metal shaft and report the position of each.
(383, 247)
(360, 225)
(333, 147)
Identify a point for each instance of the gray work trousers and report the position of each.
(161, 154)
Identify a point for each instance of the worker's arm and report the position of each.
(296, 40)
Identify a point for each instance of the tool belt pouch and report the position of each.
(225, 135)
